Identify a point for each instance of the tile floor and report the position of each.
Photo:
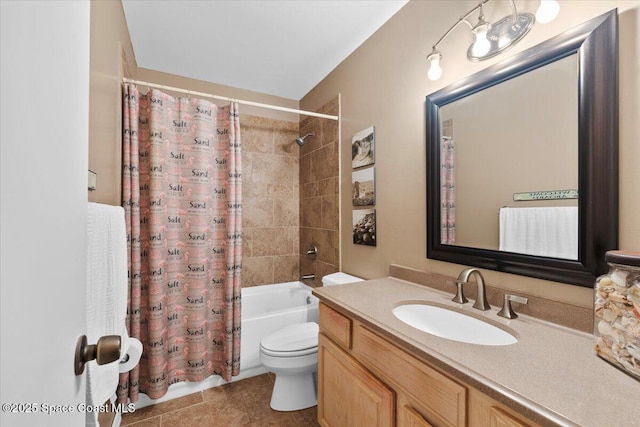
(243, 403)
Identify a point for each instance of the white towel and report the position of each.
(548, 231)
(106, 296)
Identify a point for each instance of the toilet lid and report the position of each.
(300, 336)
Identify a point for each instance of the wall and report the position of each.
(319, 206)
(112, 58)
(270, 197)
(384, 83)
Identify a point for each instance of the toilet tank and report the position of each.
(339, 279)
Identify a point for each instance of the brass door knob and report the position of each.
(106, 350)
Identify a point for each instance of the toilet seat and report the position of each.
(294, 340)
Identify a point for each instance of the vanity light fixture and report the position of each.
(491, 39)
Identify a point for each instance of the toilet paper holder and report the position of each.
(106, 350)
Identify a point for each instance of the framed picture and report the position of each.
(364, 227)
(363, 148)
(363, 185)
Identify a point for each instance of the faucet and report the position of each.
(481, 298)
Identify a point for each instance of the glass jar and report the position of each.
(617, 312)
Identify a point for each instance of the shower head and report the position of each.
(300, 141)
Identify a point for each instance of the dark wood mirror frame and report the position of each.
(596, 43)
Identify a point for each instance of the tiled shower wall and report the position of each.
(319, 201)
(270, 201)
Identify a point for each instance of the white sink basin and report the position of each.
(452, 325)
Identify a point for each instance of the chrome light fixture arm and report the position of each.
(490, 40)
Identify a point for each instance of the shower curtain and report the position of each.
(182, 198)
(448, 191)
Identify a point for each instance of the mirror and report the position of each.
(534, 136)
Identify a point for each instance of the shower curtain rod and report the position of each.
(224, 98)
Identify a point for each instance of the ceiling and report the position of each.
(276, 47)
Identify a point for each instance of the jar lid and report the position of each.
(623, 257)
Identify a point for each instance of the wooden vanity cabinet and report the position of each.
(366, 380)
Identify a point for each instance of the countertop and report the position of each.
(551, 375)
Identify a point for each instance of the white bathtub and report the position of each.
(265, 309)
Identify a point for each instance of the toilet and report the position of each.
(291, 353)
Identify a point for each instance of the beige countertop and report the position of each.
(551, 375)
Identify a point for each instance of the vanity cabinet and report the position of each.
(366, 380)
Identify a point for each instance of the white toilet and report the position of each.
(291, 353)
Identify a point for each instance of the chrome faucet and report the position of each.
(481, 297)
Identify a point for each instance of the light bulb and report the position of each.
(481, 45)
(547, 11)
(435, 71)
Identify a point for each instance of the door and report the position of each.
(45, 115)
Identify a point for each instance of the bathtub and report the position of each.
(265, 309)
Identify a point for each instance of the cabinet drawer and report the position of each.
(335, 325)
(440, 398)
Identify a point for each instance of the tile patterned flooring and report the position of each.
(242, 403)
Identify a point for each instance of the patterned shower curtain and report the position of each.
(182, 198)
(448, 191)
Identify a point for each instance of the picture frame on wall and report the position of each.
(363, 148)
(364, 227)
(363, 185)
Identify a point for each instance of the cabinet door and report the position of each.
(409, 417)
(348, 394)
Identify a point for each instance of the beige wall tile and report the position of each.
(284, 140)
(327, 243)
(286, 268)
(309, 189)
(330, 212)
(306, 173)
(257, 212)
(257, 271)
(273, 169)
(286, 212)
(275, 241)
(247, 245)
(324, 163)
(328, 186)
(319, 189)
(256, 134)
(311, 212)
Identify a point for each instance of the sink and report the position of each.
(452, 325)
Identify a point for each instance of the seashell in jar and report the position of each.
(604, 281)
(605, 328)
(628, 323)
(617, 310)
(608, 314)
(619, 278)
(618, 297)
(633, 294)
(626, 363)
(604, 350)
(605, 291)
(636, 311)
(620, 339)
(634, 351)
